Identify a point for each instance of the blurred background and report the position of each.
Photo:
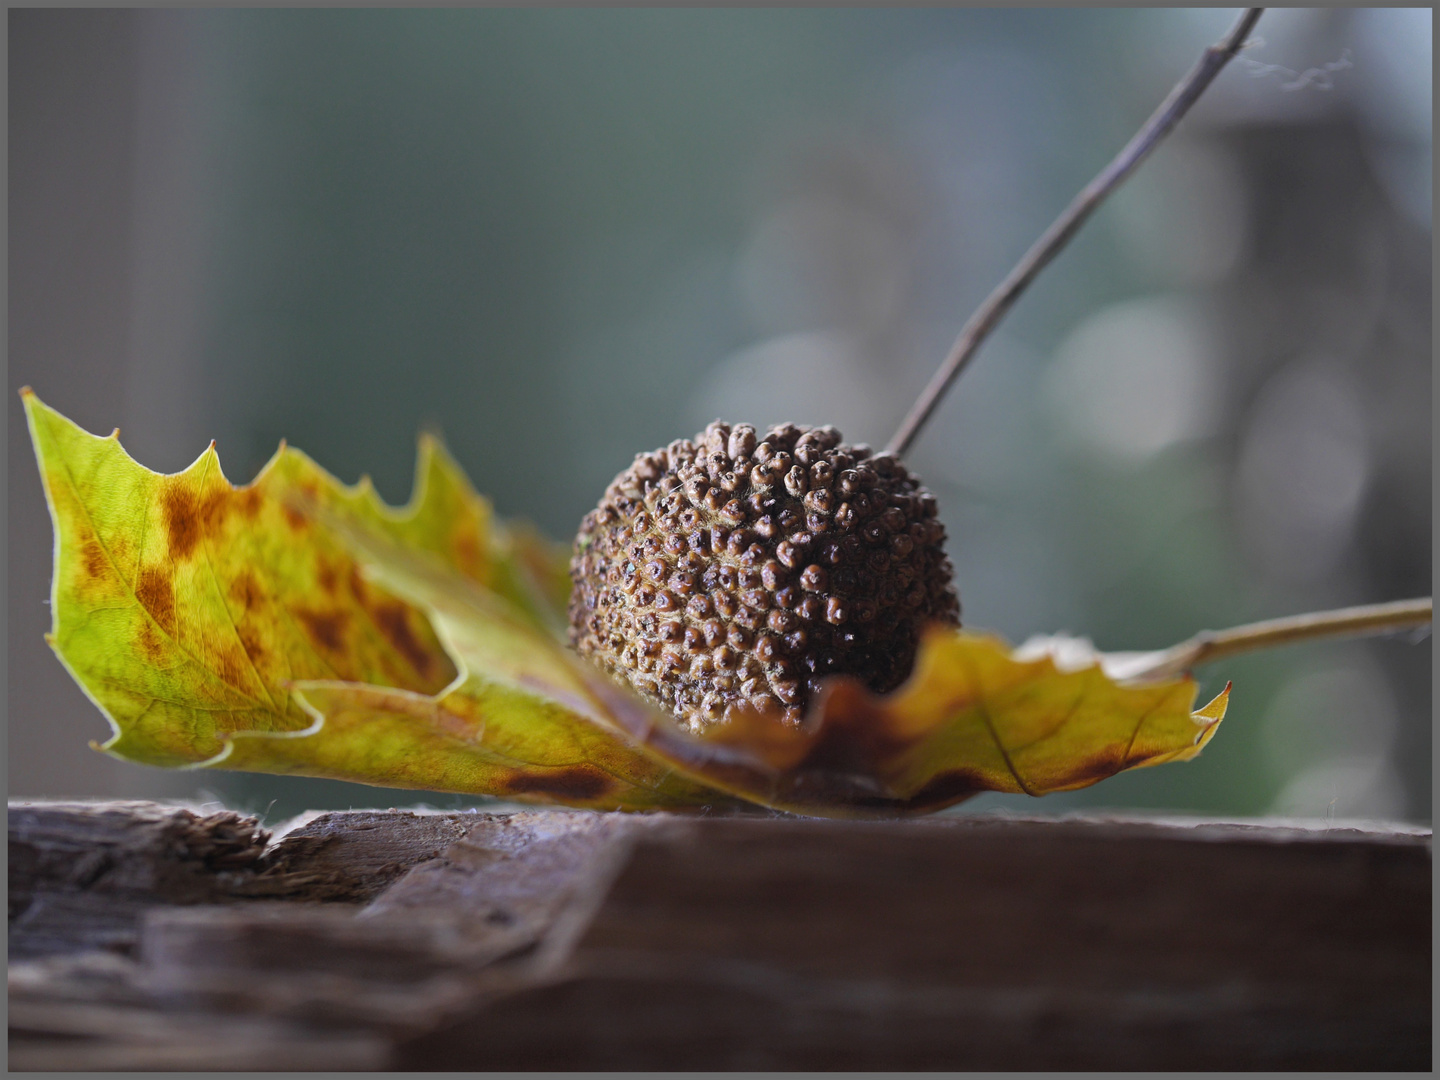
(563, 237)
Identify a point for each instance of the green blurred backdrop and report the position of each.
(563, 236)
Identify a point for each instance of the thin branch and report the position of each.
(999, 302)
(1219, 644)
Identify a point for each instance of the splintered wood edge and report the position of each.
(1199, 825)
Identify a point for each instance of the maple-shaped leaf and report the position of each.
(189, 609)
(296, 625)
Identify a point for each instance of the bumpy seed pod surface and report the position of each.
(741, 568)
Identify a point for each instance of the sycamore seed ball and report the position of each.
(743, 568)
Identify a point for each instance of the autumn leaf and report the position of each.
(190, 609)
(184, 605)
(974, 717)
(296, 625)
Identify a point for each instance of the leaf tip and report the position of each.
(431, 439)
(1214, 712)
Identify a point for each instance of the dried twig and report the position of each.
(1211, 645)
(989, 314)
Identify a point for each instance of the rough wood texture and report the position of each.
(396, 939)
(83, 874)
(353, 854)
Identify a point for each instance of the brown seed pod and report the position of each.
(763, 564)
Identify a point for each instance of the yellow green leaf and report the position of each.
(480, 738)
(295, 625)
(193, 612)
(528, 719)
(185, 606)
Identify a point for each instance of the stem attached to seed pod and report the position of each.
(1211, 645)
(999, 302)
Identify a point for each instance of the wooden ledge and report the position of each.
(145, 935)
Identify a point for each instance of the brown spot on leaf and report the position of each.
(579, 782)
(213, 510)
(182, 520)
(156, 593)
(294, 507)
(326, 576)
(254, 647)
(326, 628)
(357, 585)
(249, 500)
(231, 665)
(188, 519)
(246, 591)
(151, 644)
(92, 556)
(467, 551)
(394, 623)
(393, 620)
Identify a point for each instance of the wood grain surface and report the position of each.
(154, 937)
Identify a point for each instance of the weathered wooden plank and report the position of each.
(431, 944)
(50, 1036)
(580, 941)
(351, 855)
(724, 1017)
(517, 875)
(982, 944)
(81, 873)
